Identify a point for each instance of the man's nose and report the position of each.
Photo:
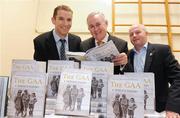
(134, 34)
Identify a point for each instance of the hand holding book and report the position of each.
(120, 60)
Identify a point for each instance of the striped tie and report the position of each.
(62, 49)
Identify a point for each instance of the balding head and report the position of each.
(138, 36)
(140, 26)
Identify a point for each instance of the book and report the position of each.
(24, 65)
(99, 84)
(74, 93)
(149, 91)
(3, 94)
(99, 87)
(54, 72)
(125, 96)
(105, 52)
(27, 95)
(98, 66)
(77, 56)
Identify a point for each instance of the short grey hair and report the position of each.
(97, 13)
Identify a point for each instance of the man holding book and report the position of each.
(97, 25)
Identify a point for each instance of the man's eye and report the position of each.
(60, 18)
(91, 27)
(69, 19)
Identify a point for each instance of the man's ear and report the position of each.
(106, 22)
(53, 20)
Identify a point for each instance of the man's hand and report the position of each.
(170, 114)
(120, 59)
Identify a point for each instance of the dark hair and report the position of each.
(62, 7)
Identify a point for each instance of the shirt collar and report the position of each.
(144, 48)
(57, 37)
(105, 39)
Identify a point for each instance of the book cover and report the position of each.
(149, 90)
(27, 95)
(74, 93)
(99, 89)
(24, 65)
(125, 96)
(3, 93)
(98, 66)
(54, 73)
(100, 71)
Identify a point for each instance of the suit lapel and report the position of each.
(70, 42)
(92, 43)
(51, 47)
(149, 57)
(131, 60)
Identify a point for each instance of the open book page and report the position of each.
(79, 56)
(104, 52)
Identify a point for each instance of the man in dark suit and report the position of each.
(48, 45)
(157, 58)
(97, 25)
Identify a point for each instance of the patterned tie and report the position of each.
(62, 49)
(100, 43)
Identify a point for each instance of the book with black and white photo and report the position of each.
(74, 93)
(3, 94)
(105, 52)
(54, 73)
(27, 95)
(125, 96)
(100, 72)
(76, 56)
(149, 92)
(99, 94)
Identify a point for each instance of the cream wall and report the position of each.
(17, 31)
(18, 25)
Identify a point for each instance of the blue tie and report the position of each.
(62, 49)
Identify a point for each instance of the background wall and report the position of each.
(22, 20)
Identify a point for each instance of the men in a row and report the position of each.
(48, 46)
(144, 57)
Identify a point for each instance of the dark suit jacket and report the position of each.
(45, 46)
(119, 43)
(160, 61)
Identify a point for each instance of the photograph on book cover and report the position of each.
(53, 84)
(27, 95)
